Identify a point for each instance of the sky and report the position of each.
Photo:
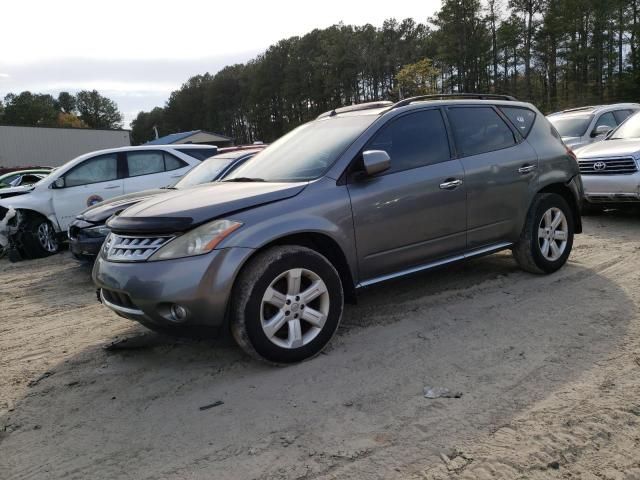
(137, 51)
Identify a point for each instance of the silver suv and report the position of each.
(584, 125)
(360, 195)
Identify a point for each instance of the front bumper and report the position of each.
(86, 247)
(612, 189)
(145, 291)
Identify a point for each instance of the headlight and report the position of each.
(198, 241)
(98, 231)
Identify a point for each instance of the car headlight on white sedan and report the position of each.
(198, 241)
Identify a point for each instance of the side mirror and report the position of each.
(376, 161)
(59, 183)
(601, 130)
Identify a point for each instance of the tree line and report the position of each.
(554, 53)
(86, 109)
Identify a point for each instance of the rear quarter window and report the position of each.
(522, 118)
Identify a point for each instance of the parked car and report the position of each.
(361, 195)
(45, 210)
(610, 169)
(585, 125)
(19, 178)
(88, 231)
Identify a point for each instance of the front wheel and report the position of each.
(547, 238)
(38, 238)
(287, 304)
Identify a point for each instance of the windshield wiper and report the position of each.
(245, 179)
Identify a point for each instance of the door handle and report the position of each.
(451, 184)
(526, 169)
(111, 187)
(177, 176)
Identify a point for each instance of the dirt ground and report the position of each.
(549, 369)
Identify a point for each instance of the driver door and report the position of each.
(92, 181)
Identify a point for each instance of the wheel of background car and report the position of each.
(287, 304)
(547, 237)
(38, 238)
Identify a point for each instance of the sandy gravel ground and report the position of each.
(549, 368)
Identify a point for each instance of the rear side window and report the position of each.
(522, 118)
(94, 170)
(152, 161)
(145, 163)
(479, 130)
(414, 140)
(621, 115)
(198, 153)
(172, 163)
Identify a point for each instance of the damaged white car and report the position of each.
(34, 219)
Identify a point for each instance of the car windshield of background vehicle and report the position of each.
(629, 129)
(306, 153)
(571, 126)
(207, 171)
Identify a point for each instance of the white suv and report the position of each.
(584, 125)
(43, 211)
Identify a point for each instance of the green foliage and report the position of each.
(418, 78)
(67, 102)
(30, 109)
(97, 111)
(42, 110)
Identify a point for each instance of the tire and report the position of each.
(38, 238)
(284, 329)
(589, 209)
(530, 249)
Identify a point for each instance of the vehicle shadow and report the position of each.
(173, 408)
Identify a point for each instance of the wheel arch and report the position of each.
(565, 191)
(323, 244)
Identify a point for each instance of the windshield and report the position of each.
(305, 153)
(571, 125)
(206, 172)
(629, 129)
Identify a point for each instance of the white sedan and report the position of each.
(43, 211)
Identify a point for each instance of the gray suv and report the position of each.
(360, 195)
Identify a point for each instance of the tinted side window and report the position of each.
(522, 118)
(607, 119)
(198, 153)
(414, 140)
(621, 115)
(97, 169)
(145, 163)
(479, 130)
(172, 163)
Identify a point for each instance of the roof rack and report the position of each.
(476, 96)
(579, 109)
(356, 107)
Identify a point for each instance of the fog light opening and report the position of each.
(178, 313)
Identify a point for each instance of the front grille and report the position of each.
(608, 166)
(118, 299)
(129, 248)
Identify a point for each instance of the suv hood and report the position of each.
(182, 210)
(100, 212)
(610, 148)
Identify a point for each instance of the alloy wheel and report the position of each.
(47, 237)
(553, 233)
(294, 308)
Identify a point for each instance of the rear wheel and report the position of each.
(287, 304)
(547, 237)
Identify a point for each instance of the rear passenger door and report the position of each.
(500, 169)
(152, 169)
(415, 212)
